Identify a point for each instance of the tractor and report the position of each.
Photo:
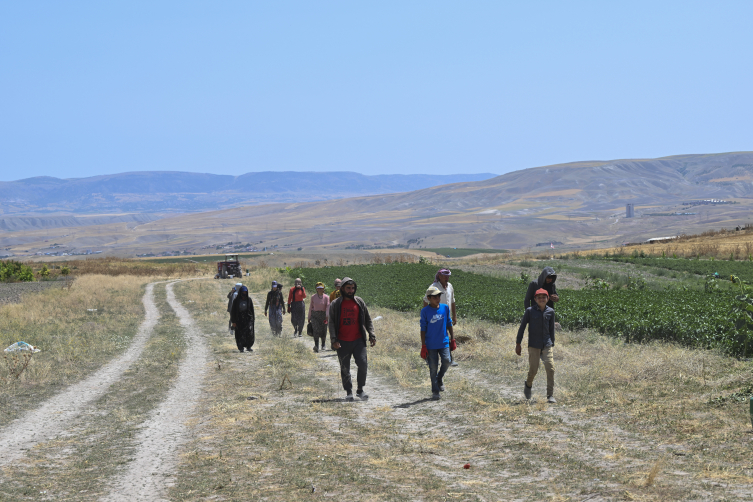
(231, 267)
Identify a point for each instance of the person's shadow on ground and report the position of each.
(414, 403)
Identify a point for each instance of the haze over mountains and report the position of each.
(580, 204)
(171, 192)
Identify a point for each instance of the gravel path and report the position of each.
(52, 418)
(149, 474)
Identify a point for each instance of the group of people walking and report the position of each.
(345, 317)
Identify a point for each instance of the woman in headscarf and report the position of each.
(242, 317)
(276, 307)
(319, 315)
(297, 307)
(230, 297)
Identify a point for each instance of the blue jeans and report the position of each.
(433, 359)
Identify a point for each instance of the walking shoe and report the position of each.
(551, 399)
(454, 363)
(526, 390)
(240, 350)
(349, 396)
(436, 397)
(361, 394)
(440, 384)
(316, 349)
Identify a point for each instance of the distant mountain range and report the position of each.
(176, 192)
(580, 204)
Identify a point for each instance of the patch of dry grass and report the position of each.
(73, 340)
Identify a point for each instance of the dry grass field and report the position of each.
(632, 422)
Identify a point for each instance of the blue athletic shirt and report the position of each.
(435, 321)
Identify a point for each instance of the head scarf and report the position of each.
(298, 281)
(243, 289)
(444, 271)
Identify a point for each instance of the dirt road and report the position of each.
(148, 475)
(52, 418)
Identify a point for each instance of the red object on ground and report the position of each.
(467, 466)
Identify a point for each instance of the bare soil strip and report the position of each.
(52, 418)
(148, 475)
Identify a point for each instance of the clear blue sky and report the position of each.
(375, 87)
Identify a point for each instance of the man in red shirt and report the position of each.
(349, 327)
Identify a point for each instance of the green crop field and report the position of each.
(198, 259)
(742, 269)
(693, 318)
(460, 252)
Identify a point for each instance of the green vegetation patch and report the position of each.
(13, 271)
(742, 269)
(460, 252)
(693, 318)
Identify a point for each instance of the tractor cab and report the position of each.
(230, 267)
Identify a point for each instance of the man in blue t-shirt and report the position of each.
(436, 323)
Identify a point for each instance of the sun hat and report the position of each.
(433, 291)
(541, 291)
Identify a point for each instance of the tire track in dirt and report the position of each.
(52, 417)
(148, 475)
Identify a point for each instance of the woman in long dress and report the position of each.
(297, 307)
(319, 315)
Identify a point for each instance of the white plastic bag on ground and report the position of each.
(21, 347)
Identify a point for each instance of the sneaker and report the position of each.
(250, 349)
(441, 386)
(316, 349)
(349, 396)
(551, 399)
(454, 363)
(240, 350)
(526, 390)
(436, 397)
(361, 394)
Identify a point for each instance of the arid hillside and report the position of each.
(580, 205)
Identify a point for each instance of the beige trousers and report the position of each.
(547, 355)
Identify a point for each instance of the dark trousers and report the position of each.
(357, 349)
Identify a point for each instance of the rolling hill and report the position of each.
(177, 192)
(581, 204)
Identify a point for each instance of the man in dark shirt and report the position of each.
(540, 321)
(545, 281)
(349, 327)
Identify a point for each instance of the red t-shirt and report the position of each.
(350, 330)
